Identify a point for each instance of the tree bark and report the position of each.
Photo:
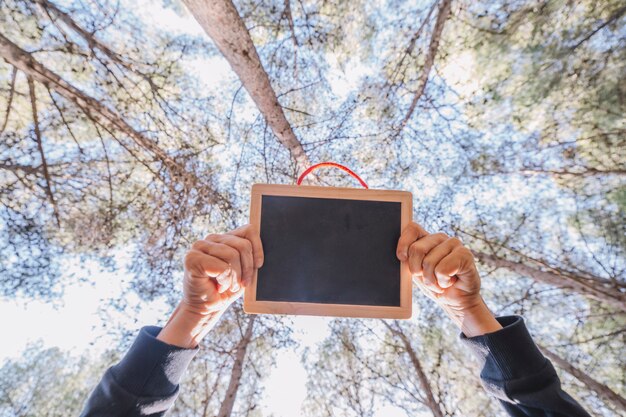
(25, 62)
(433, 47)
(431, 402)
(604, 392)
(601, 291)
(235, 376)
(221, 21)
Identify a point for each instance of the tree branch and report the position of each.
(10, 100)
(44, 163)
(289, 16)
(618, 13)
(442, 17)
(597, 290)
(25, 62)
(221, 21)
(92, 41)
(409, 49)
(431, 402)
(603, 391)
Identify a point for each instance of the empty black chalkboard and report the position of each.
(334, 251)
(320, 250)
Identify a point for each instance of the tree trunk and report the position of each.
(604, 392)
(433, 47)
(601, 291)
(431, 402)
(25, 62)
(221, 21)
(235, 376)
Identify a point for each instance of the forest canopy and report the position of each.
(124, 139)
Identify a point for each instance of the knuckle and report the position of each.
(455, 241)
(212, 236)
(199, 244)
(441, 236)
(232, 253)
(427, 264)
(189, 260)
(247, 246)
(415, 250)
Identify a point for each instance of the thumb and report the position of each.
(225, 280)
(445, 280)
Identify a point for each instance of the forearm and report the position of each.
(186, 328)
(474, 320)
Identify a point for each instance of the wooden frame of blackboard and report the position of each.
(254, 306)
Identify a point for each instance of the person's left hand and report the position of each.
(218, 267)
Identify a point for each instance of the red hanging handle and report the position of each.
(330, 164)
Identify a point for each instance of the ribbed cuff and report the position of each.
(509, 353)
(152, 368)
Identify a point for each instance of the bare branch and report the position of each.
(44, 163)
(431, 402)
(67, 126)
(412, 42)
(26, 63)
(10, 101)
(442, 17)
(226, 408)
(87, 36)
(618, 13)
(603, 391)
(600, 291)
(294, 39)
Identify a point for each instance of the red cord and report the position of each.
(330, 164)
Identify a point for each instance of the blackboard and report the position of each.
(330, 251)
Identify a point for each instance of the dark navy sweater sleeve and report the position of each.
(516, 373)
(144, 383)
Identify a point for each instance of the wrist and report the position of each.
(186, 328)
(475, 320)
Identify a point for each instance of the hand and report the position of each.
(445, 271)
(217, 269)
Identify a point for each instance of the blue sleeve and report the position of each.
(144, 383)
(516, 373)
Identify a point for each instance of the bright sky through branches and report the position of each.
(505, 120)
